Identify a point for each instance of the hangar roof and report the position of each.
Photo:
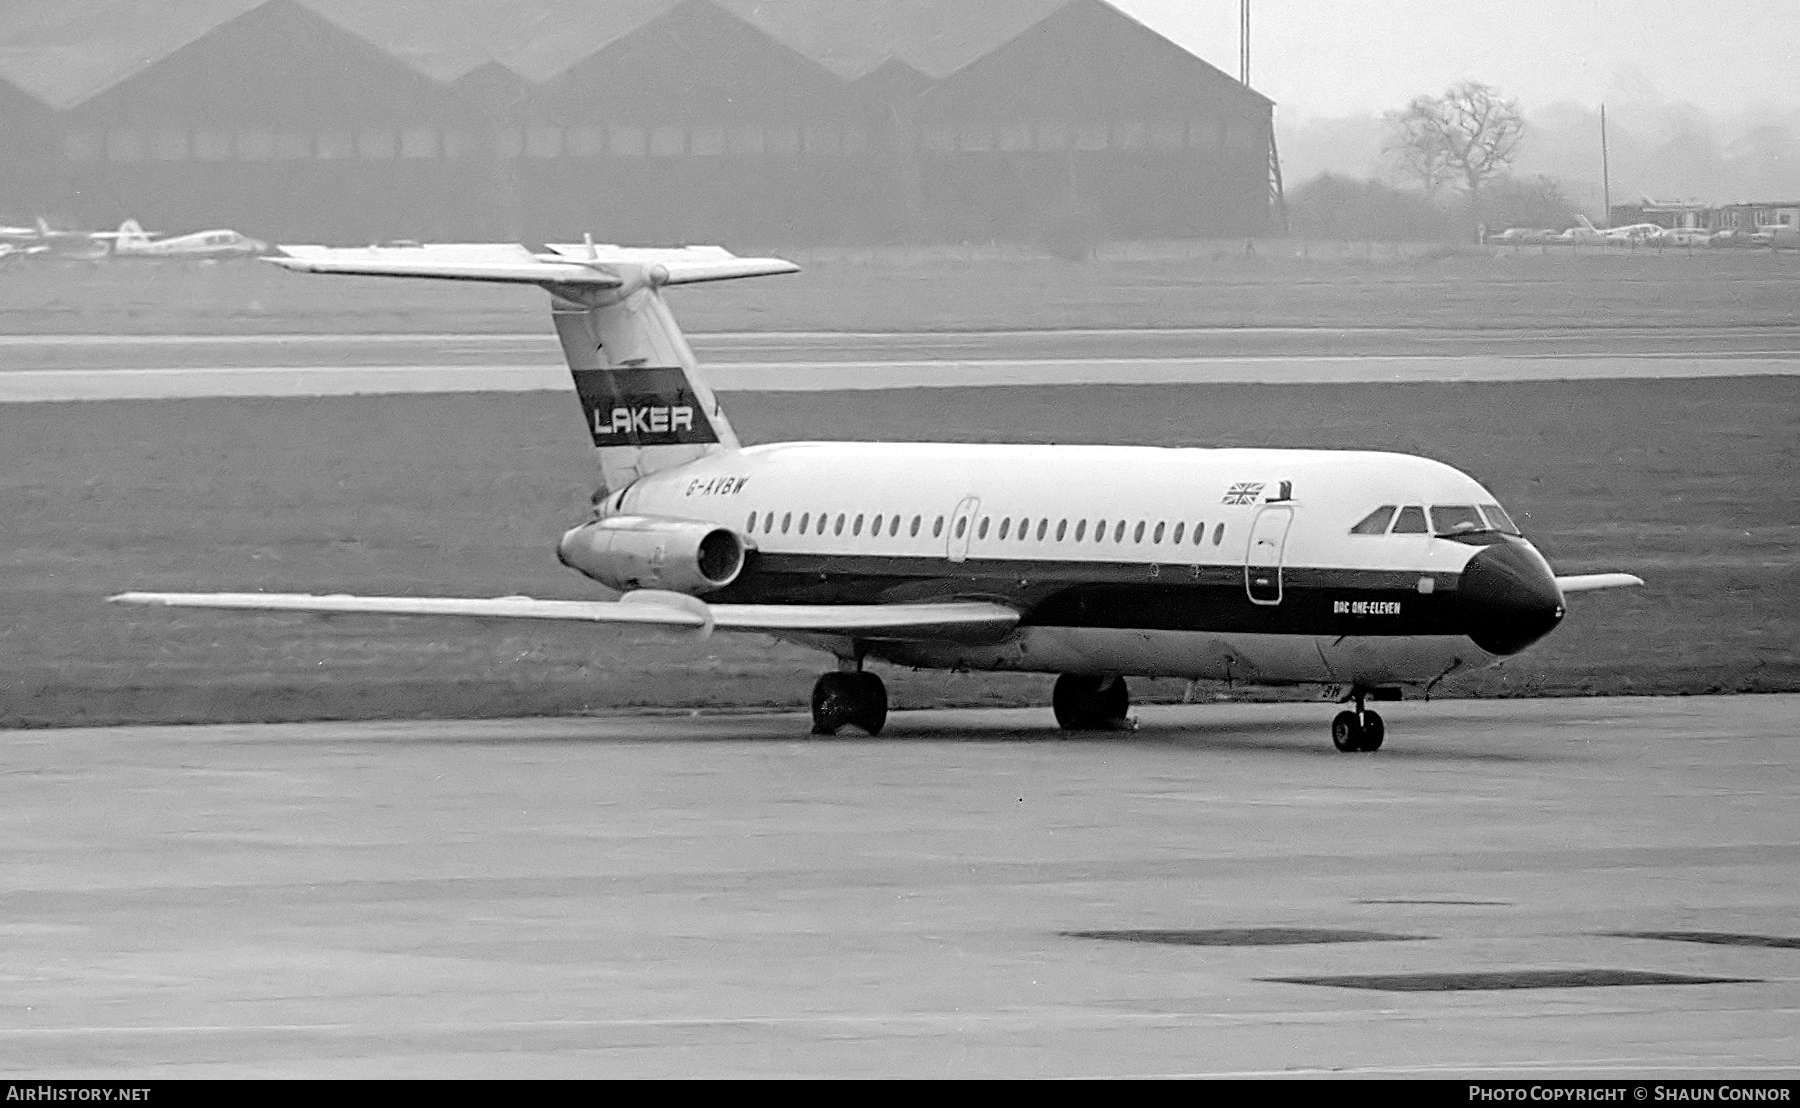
(65, 52)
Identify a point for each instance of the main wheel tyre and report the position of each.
(1373, 731)
(1085, 703)
(835, 701)
(1345, 734)
(872, 703)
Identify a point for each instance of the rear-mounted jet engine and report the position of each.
(635, 552)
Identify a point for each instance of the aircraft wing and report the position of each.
(593, 265)
(1588, 582)
(962, 620)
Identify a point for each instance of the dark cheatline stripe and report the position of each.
(1172, 597)
(1714, 938)
(1245, 936)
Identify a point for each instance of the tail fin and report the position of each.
(1588, 223)
(131, 233)
(645, 402)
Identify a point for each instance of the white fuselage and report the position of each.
(1198, 563)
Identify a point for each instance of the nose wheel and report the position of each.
(1360, 731)
(849, 699)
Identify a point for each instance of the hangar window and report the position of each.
(1053, 136)
(458, 143)
(786, 518)
(1218, 534)
(1080, 529)
(168, 146)
(335, 144)
(1005, 525)
(976, 138)
(668, 141)
(415, 142)
(1411, 521)
(1015, 137)
(1168, 135)
(584, 142)
(1158, 536)
(124, 146)
(1043, 526)
(1452, 519)
(938, 138)
(747, 139)
(1130, 136)
(1090, 136)
(782, 140)
(1180, 529)
(1376, 522)
(626, 142)
(708, 141)
(256, 145)
(372, 144)
(1499, 520)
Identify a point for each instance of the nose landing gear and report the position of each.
(855, 698)
(1360, 731)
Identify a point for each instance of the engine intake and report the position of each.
(646, 552)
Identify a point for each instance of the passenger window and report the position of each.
(1062, 529)
(1024, 527)
(1138, 535)
(1119, 531)
(1080, 529)
(914, 533)
(938, 528)
(804, 516)
(1218, 534)
(875, 528)
(1043, 526)
(1498, 519)
(894, 526)
(1411, 521)
(1452, 519)
(1199, 532)
(1180, 529)
(982, 534)
(1100, 530)
(856, 528)
(1005, 525)
(839, 529)
(786, 518)
(1376, 522)
(1157, 537)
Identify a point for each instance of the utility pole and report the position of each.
(1244, 42)
(1605, 171)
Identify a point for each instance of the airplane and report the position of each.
(40, 238)
(1366, 572)
(1587, 234)
(132, 241)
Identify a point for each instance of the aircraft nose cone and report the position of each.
(1509, 598)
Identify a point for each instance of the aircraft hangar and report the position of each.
(778, 122)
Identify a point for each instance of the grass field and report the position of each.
(1690, 483)
(963, 290)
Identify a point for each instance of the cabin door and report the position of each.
(1262, 558)
(962, 529)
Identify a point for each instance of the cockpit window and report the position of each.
(1411, 521)
(1499, 520)
(1376, 522)
(1452, 519)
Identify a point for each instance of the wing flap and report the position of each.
(952, 619)
(1590, 582)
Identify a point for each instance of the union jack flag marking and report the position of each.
(1244, 492)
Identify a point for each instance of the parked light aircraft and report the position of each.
(132, 241)
(1372, 572)
(1588, 234)
(40, 238)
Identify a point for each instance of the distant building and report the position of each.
(745, 121)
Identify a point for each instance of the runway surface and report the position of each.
(721, 896)
(43, 368)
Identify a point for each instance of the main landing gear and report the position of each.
(1084, 703)
(855, 698)
(1360, 731)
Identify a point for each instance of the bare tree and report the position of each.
(1469, 134)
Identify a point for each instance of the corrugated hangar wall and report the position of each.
(856, 121)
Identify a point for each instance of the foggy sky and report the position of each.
(1346, 57)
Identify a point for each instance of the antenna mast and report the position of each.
(1244, 42)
